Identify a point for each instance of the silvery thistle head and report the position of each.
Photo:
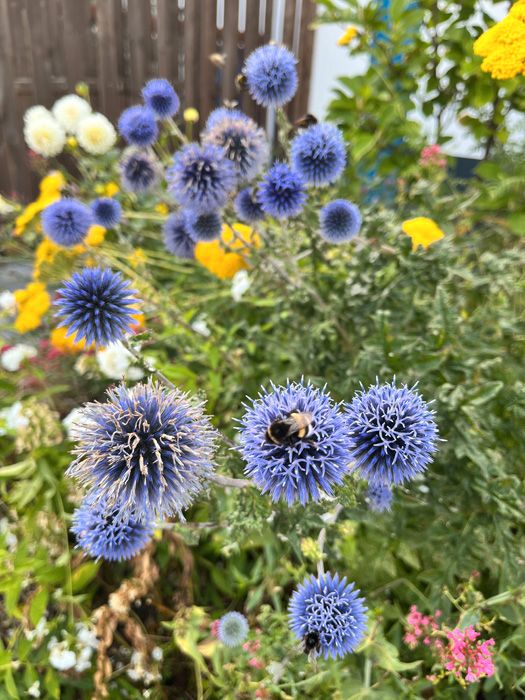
(147, 450)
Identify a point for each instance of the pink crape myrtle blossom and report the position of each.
(432, 156)
(420, 627)
(466, 656)
(463, 654)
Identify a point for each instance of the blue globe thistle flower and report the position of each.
(160, 96)
(247, 207)
(379, 497)
(332, 609)
(107, 211)
(138, 126)
(177, 238)
(243, 142)
(392, 431)
(67, 222)
(271, 75)
(318, 154)
(201, 177)
(140, 171)
(233, 629)
(97, 306)
(204, 227)
(104, 533)
(340, 221)
(221, 113)
(281, 192)
(307, 467)
(147, 450)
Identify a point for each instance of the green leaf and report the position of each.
(84, 575)
(517, 222)
(38, 606)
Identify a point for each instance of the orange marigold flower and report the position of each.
(65, 343)
(226, 256)
(32, 303)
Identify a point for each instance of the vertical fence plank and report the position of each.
(10, 176)
(107, 20)
(231, 49)
(191, 53)
(208, 90)
(140, 45)
(299, 104)
(41, 50)
(170, 42)
(76, 18)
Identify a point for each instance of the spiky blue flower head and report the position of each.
(138, 126)
(204, 227)
(177, 237)
(318, 154)
(307, 467)
(160, 96)
(221, 113)
(243, 142)
(147, 450)
(340, 221)
(105, 533)
(140, 171)
(392, 431)
(201, 177)
(247, 207)
(233, 629)
(96, 306)
(379, 497)
(67, 222)
(107, 211)
(331, 608)
(281, 192)
(271, 75)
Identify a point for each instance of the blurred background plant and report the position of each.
(436, 303)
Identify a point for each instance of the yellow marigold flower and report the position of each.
(349, 34)
(44, 255)
(218, 256)
(423, 231)
(64, 343)
(95, 235)
(50, 187)
(503, 45)
(137, 258)
(32, 303)
(191, 115)
(111, 189)
(161, 208)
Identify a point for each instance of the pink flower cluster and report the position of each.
(432, 156)
(252, 647)
(420, 626)
(465, 656)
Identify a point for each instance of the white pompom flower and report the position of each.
(44, 135)
(34, 113)
(70, 110)
(96, 134)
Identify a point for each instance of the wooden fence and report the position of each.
(47, 46)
